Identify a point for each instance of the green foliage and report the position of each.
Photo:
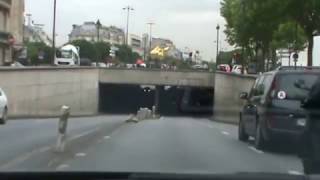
(87, 49)
(126, 55)
(265, 26)
(33, 50)
(102, 50)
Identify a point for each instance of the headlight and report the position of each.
(301, 122)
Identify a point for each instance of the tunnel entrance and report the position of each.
(172, 100)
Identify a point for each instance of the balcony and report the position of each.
(5, 4)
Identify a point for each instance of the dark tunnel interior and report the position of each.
(173, 101)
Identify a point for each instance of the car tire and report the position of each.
(242, 135)
(4, 116)
(259, 141)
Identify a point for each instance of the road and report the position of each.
(169, 145)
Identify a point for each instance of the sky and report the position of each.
(188, 23)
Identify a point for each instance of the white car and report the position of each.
(3, 107)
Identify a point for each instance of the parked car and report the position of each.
(237, 69)
(3, 107)
(272, 110)
(224, 67)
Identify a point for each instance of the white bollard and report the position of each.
(62, 129)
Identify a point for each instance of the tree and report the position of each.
(126, 55)
(87, 49)
(102, 50)
(307, 14)
(34, 49)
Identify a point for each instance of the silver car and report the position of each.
(3, 107)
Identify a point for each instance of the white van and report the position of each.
(68, 55)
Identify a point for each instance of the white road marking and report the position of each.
(81, 154)
(82, 134)
(255, 150)
(62, 167)
(24, 157)
(293, 172)
(225, 133)
(106, 137)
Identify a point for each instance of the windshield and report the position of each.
(289, 83)
(160, 86)
(64, 54)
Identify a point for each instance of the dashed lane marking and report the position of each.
(62, 167)
(255, 150)
(81, 154)
(106, 137)
(225, 133)
(293, 172)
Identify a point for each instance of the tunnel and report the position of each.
(171, 101)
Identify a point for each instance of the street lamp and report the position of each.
(218, 29)
(150, 33)
(98, 25)
(128, 9)
(54, 31)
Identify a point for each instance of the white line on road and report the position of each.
(62, 167)
(81, 154)
(293, 172)
(225, 133)
(106, 137)
(23, 158)
(82, 134)
(255, 150)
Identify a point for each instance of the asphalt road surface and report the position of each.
(168, 145)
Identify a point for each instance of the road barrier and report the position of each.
(62, 129)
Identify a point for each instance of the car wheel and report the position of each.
(242, 135)
(4, 116)
(259, 141)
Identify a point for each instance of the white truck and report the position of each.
(67, 55)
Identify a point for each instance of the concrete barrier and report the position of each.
(40, 92)
(227, 104)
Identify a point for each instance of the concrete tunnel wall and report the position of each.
(227, 104)
(37, 92)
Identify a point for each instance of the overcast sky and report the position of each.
(188, 23)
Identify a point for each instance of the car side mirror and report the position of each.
(244, 95)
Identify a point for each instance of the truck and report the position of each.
(67, 55)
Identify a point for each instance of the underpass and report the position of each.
(107, 143)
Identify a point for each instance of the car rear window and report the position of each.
(287, 84)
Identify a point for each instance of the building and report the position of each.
(5, 46)
(136, 43)
(17, 21)
(89, 31)
(11, 28)
(34, 33)
(160, 42)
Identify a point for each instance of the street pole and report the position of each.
(98, 25)
(128, 8)
(150, 33)
(54, 31)
(218, 29)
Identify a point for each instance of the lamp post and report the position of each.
(150, 34)
(54, 31)
(128, 9)
(218, 29)
(98, 25)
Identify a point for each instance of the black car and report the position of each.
(272, 110)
